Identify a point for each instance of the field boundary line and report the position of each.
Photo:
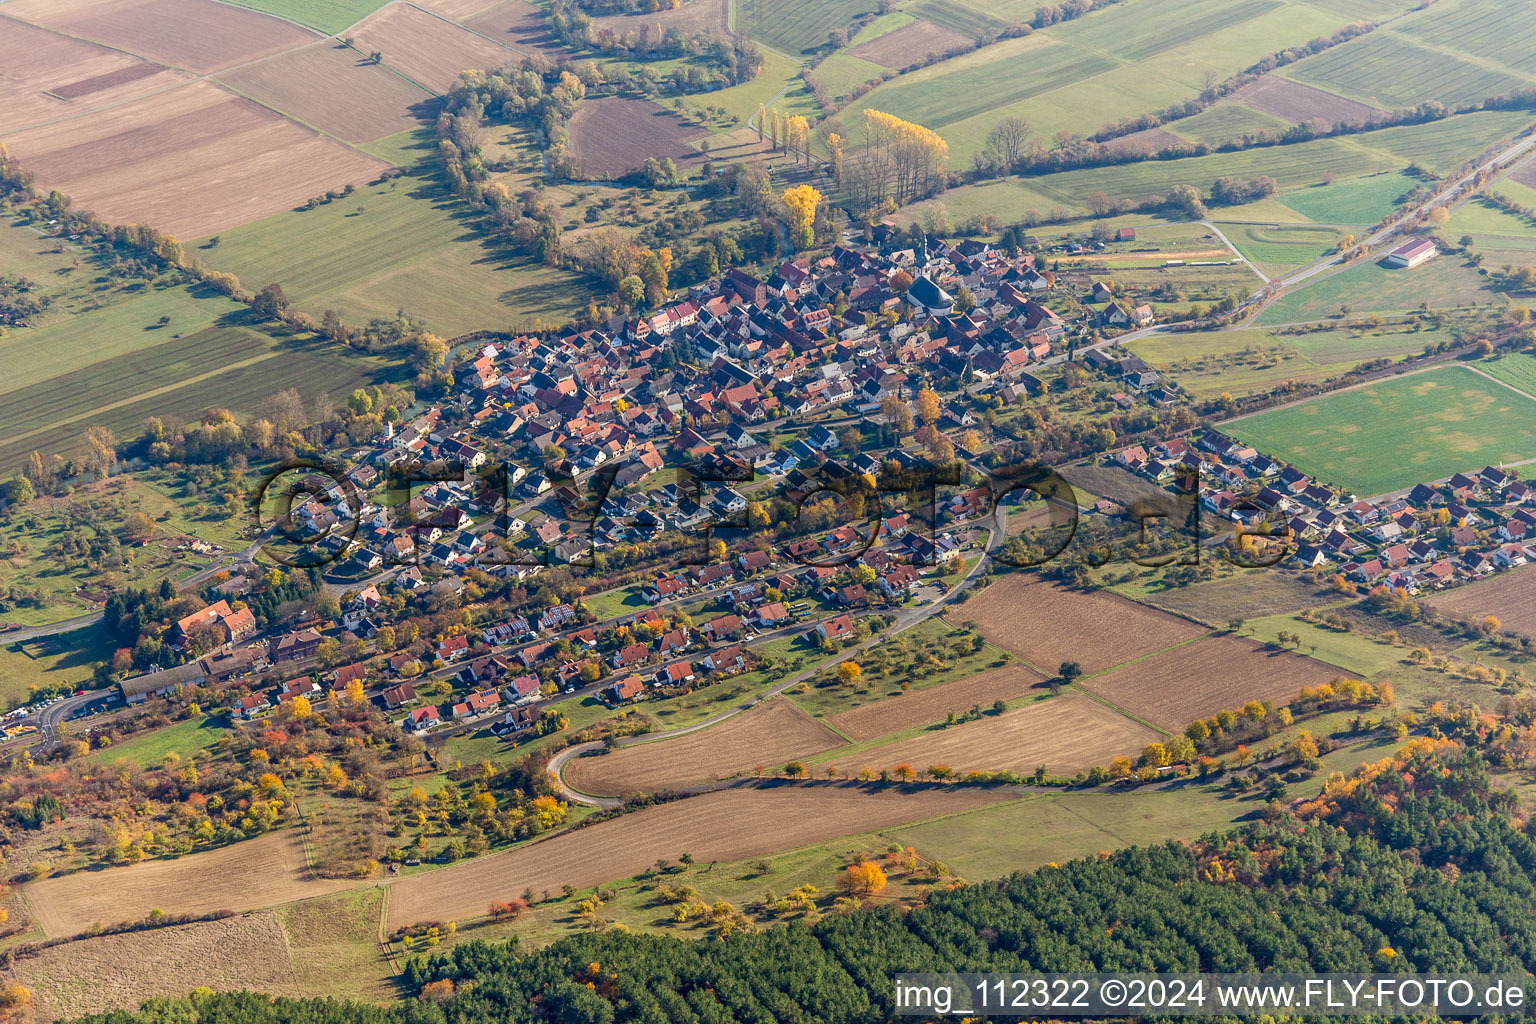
(1339, 391)
(1098, 698)
(1502, 383)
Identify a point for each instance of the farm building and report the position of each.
(1411, 254)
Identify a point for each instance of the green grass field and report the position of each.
(325, 15)
(1245, 361)
(1356, 654)
(883, 25)
(1517, 370)
(1392, 70)
(1398, 432)
(1224, 122)
(1442, 146)
(1353, 201)
(797, 26)
(101, 354)
(841, 73)
(1276, 248)
(1498, 33)
(969, 19)
(1368, 287)
(1121, 61)
(51, 664)
(404, 244)
(184, 738)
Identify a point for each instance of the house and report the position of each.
(725, 660)
(523, 689)
(679, 674)
(1411, 254)
(217, 622)
(477, 704)
(769, 615)
(722, 628)
(350, 673)
(400, 695)
(253, 706)
(516, 720)
(421, 719)
(625, 689)
(835, 629)
(453, 648)
(296, 646)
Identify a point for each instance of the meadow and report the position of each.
(1224, 122)
(1442, 283)
(1517, 370)
(1125, 60)
(1390, 69)
(798, 26)
(1277, 248)
(1444, 145)
(404, 244)
(50, 664)
(1354, 201)
(1394, 433)
(1242, 362)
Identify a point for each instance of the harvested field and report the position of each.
(611, 137)
(1509, 597)
(767, 736)
(728, 825)
(427, 49)
(1296, 103)
(1066, 734)
(44, 75)
(1249, 595)
(893, 714)
(197, 35)
(1174, 688)
(910, 44)
(109, 972)
(519, 24)
(694, 16)
(1148, 140)
(333, 88)
(1525, 175)
(1046, 624)
(191, 161)
(243, 876)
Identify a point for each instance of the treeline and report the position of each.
(714, 62)
(1412, 865)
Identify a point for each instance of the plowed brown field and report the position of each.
(728, 825)
(893, 714)
(245, 876)
(766, 736)
(330, 87)
(1176, 687)
(520, 24)
(44, 75)
(1047, 624)
(1297, 103)
(192, 161)
(909, 44)
(197, 35)
(427, 49)
(1510, 597)
(1066, 734)
(612, 136)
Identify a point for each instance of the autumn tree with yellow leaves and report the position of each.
(900, 161)
(802, 201)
